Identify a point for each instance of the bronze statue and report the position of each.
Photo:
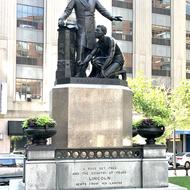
(84, 10)
(106, 58)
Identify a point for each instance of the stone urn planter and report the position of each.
(38, 129)
(134, 132)
(150, 128)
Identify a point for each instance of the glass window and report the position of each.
(122, 30)
(161, 35)
(40, 12)
(35, 11)
(161, 66)
(128, 1)
(128, 62)
(29, 11)
(24, 9)
(8, 162)
(161, 6)
(164, 4)
(188, 69)
(188, 40)
(187, 10)
(19, 8)
(30, 17)
(29, 53)
(123, 3)
(27, 90)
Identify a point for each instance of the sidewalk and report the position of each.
(182, 172)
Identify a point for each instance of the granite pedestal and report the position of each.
(91, 115)
(130, 168)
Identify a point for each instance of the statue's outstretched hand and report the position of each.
(117, 18)
(61, 22)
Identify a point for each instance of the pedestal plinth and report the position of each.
(90, 115)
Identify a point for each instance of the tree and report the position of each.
(180, 106)
(173, 107)
(150, 101)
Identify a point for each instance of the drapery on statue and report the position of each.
(85, 10)
(106, 58)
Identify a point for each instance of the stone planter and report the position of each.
(39, 135)
(150, 133)
(134, 132)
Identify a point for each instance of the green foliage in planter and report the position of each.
(16, 138)
(44, 120)
(148, 122)
(39, 121)
(29, 122)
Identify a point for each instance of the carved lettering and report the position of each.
(96, 176)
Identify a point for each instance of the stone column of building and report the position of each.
(8, 43)
(142, 33)
(178, 42)
(53, 11)
(7, 61)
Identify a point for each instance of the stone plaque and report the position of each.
(97, 174)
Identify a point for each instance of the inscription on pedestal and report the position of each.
(101, 174)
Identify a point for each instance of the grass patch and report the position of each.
(181, 181)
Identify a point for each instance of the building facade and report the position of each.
(154, 37)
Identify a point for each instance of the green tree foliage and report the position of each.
(172, 107)
(180, 106)
(149, 100)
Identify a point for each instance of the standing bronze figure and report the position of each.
(85, 10)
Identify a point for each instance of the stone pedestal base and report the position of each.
(91, 115)
(131, 168)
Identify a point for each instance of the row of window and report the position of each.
(158, 5)
(29, 53)
(28, 89)
(160, 65)
(30, 17)
(161, 35)
(26, 11)
(31, 89)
